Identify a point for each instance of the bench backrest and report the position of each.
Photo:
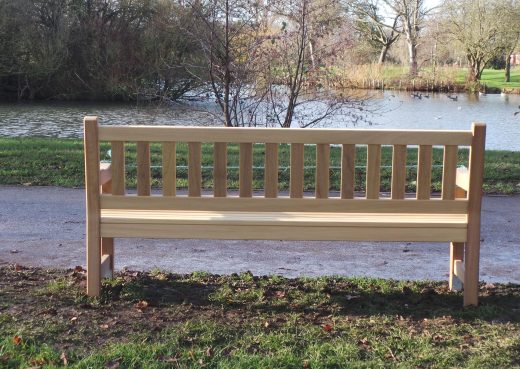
(169, 136)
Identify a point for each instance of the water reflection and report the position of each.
(397, 110)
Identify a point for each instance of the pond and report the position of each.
(393, 110)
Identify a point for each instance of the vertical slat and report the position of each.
(322, 171)
(398, 172)
(220, 169)
(143, 168)
(296, 181)
(118, 168)
(424, 172)
(348, 161)
(476, 173)
(194, 169)
(169, 169)
(373, 171)
(271, 170)
(449, 172)
(245, 175)
(107, 243)
(93, 211)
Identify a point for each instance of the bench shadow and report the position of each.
(498, 304)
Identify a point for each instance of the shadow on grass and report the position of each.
(321, 296)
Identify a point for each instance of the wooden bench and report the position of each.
(453, 217)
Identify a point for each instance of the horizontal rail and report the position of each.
(261, 204)
(281, 135)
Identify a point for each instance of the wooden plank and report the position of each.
(476, 174)
(107, 243)
(143, 168)
(245, 175)
(118, 167)
(456, 255)
(234, 232)
(322, 171)
(106, 261)
(285, 204)
(449, 172)
(282, 135)
(398, 172)
(194, 169)
(458, 269)
(93, 213)
(348, 175)
(297, 170)
(271, 170)
(462, 180)
(220, 169)
(301, 219)
(105, 173)
(169, 168)
(424, 172)
(373, 177)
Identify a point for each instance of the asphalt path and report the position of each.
(45, 226)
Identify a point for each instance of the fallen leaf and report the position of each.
(113, 364)
(201, 362)
(79, 269)
(209, 351)
(73, 319)
(364, 343)
(141, 305)
(266, 324)
(327, 328)
(63, 358)
(103, 326)
(280, 294)
(17, 340)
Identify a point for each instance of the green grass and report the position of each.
(162, 320)
(59, 162)
(492, 78)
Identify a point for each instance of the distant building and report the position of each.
(515, 58)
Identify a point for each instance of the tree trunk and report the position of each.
(412, 53)
(474, 71)
(382, 55)
(508, 67)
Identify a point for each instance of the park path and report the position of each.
(45, 226)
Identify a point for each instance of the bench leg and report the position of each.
(471, 273)
(107, 257)
(456, 254)
(93, 266)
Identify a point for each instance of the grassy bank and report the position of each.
(59, 162)
(159, 320)
(441, 79)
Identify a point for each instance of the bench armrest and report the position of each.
(462, 179)
(105, 173)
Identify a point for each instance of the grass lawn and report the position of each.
(495, 78)
(160, 320)
(59, 162)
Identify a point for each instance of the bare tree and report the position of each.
(480, 28)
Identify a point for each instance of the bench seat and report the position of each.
(283, 225)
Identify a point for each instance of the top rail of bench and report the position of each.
(280, 135)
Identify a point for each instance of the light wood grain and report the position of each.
(297, 170)
(322, 171)
(285, 204)
(348, 174)
(398, 172)
(462, 180)
(118, 167)
(107, 243)
(245, 175)
(220, 169)
(449, 172)
(424, 172)
(476, 174)
(271, 170)
(456, 254)
(282, 135)
(194, 169)
(259, 232)
(169, 169)
(143, 168)
(373, 177)
(93, 215)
